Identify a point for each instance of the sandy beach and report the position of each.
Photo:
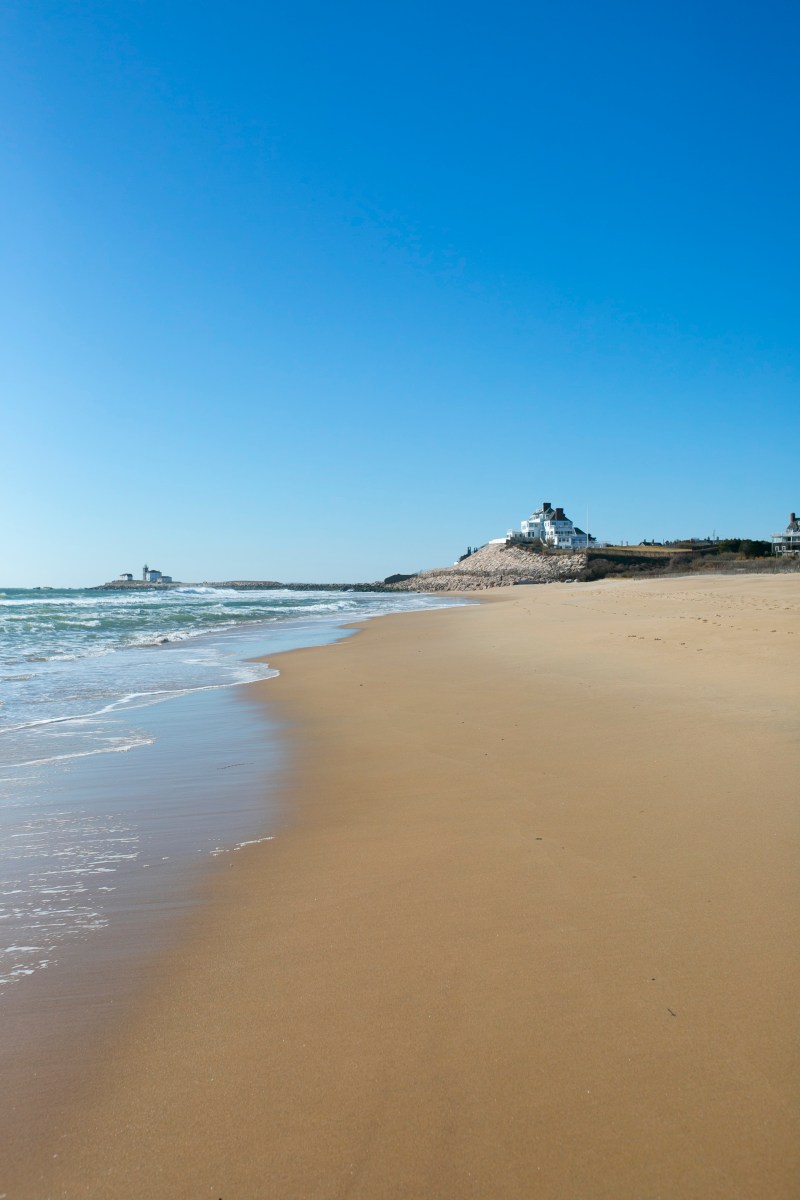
(531, 930)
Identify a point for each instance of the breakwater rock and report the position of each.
(497, 566)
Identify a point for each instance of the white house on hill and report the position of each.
(787, 542)
(552, 527)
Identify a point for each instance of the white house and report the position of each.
(787, 542)
(552, 527)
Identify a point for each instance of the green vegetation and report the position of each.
(678, 558)
(743, 547)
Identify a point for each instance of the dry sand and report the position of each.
(532, 931)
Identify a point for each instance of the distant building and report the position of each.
(551, 527)
(787, 542)
(149, 575)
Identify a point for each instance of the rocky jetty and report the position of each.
(497, 566)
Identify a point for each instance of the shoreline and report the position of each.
(528, 927)
(205, 779)
(56, 1021)
(79, 813)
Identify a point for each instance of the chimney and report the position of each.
(792, 518)
(546, 505)
(559, 514)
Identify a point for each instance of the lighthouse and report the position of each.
(145, 569)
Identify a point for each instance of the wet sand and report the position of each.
(532, 932)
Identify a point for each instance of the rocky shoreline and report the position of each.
(496, 566)
(499, 564)
(491, 566)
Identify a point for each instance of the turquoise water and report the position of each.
(70, 658)
(126, 751)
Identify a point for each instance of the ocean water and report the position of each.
(123, 753)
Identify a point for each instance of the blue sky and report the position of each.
(319, 291)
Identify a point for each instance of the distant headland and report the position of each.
(129, 584)
(547, 548)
